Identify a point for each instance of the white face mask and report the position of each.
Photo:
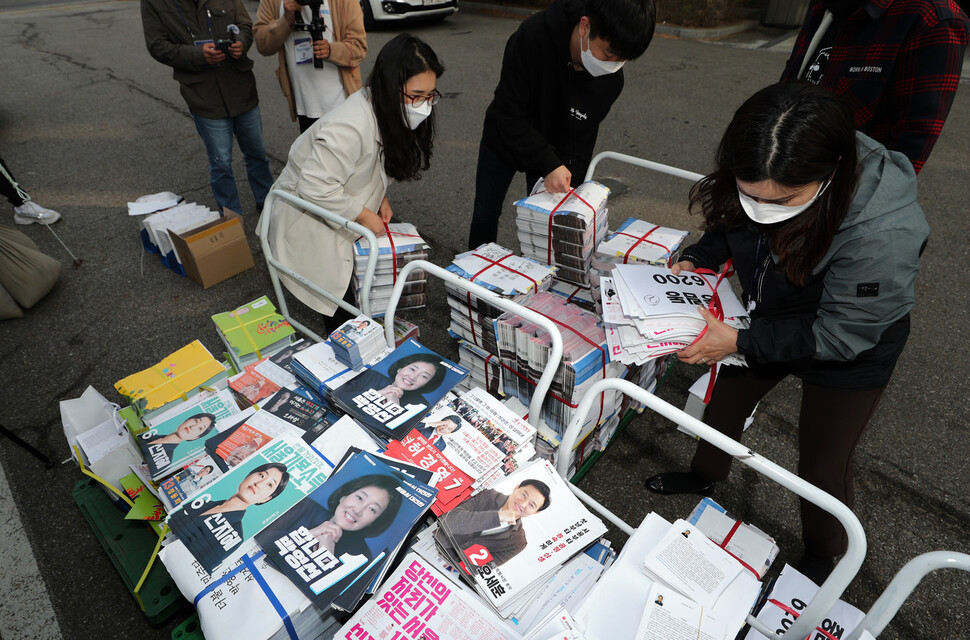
(766, 213)
(417, 114)
(594, 65)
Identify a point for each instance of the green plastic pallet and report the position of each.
(129, 545)
(188, 630)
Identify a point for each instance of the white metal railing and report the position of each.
(640, 162)
(276, 267)
(846, 568)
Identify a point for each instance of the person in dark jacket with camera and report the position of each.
(825, 234)
(560, 76)
(205, 43)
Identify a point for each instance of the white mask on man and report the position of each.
(768, 213)
(417, 114)
(594, 65)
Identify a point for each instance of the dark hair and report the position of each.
(381, 481)
(406, 153)
(430, 358)
(792, 133)
(542, 488)
(212, 423)
(454, 419)
(208, 466)
(285, 477)
(626, 24)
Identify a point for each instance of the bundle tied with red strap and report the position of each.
(564, 229)
(400, 244)
(524, 349)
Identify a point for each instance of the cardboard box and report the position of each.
(216, 251)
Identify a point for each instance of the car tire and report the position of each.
(369, 22)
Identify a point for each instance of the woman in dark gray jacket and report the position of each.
(825, 234)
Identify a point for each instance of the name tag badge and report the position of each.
(303, 48)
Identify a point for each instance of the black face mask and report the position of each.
(843, 7)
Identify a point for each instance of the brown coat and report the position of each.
(347, 52)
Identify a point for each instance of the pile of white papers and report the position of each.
(401, 245)
(178, 219)
(509, 553)
(649, 312)
(749, 545)
(636, 242)
(320, 370)
(564, 229)
(358, 341)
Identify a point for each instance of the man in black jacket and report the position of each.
(560, 76)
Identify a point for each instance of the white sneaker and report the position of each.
(30, 212)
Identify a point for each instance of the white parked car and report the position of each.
(392, 10)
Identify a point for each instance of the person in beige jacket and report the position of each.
(310, 91)
(343, 163)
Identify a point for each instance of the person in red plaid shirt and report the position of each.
(897, 64)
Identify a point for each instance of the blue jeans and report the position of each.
(217, 135)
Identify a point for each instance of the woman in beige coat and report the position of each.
(312, 91)
(343, 163)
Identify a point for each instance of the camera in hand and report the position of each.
(316, 28)
(223, 45)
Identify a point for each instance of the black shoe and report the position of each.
(674, 482)
(814, 567)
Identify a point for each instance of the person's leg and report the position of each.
(830, 425)
(736, 393)
(216, 134)
(249, 132)
(492, 180)
(9, 187)
(340, 316)
(305, 122)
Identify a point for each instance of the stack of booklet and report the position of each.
(524, 350)
(497, 269)
(471, 441)
(509, 539)
(160, 222)
(358, 341)
(393, 396)
(169, 382)
(253, 332)
(319, 369)
(649, 312)
(564, 229)
(400, 245)
(638, 242)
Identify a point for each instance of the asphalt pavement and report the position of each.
(88, 122)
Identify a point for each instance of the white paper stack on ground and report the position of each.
(791, 593)
(358, 341)
(564, 229)
(636, 242)
(178, 219)
(649, 312)
(403, 244)
(748, 544)
(509, 563)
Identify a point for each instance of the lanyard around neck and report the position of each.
(208, 15)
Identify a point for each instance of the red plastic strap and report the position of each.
(393, 251)
(795, 614)
(471, 320)
(715, 308)
(642, 238)
(534, 383)
(724, 544)
(498, 263)
(570, 298)
(571, 192)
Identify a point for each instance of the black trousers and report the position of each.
(830, 424)
(492, 180)
(8, 186)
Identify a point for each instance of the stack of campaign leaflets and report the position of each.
(319, 369)
(252, 332)
(509, 539)
(400, 245)
(471, 442)
(649, 312)
(637, 242)
(178, 436)
(563, 229)
(357, 341)
(392, 397)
